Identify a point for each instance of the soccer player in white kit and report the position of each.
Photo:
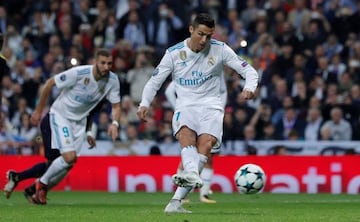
(196, 66)
(82, 88)
(207, 173)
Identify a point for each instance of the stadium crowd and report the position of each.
(307, 53)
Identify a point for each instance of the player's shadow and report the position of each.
(230, 213)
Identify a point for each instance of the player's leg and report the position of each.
(38, 169)
(29, 192)
(66, 135)
(58, 166)
(50, 155)
(175, 204)
(58, 178)
(188, 177)
(185, 125)
(178, 194)
(190, 160)
(13, 177)
(206, 175)
(209, 143)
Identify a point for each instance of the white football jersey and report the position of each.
(197, 76)
(170, 93)
(80, 92)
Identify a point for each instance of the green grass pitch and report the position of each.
(144, 207)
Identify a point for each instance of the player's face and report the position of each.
(103, 66)
(200, 37)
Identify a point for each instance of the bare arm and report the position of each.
(113, 130)
(89, 136)
(159, 76)
(44, 95)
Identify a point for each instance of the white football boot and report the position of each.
(174, 206)
(11, 183)
(187, 179)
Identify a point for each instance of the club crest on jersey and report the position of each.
(63, 77)
(211, 61)
(86, 81)
(183, 55)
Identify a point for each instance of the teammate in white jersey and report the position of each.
(196, 66)
(208, 171)
(82, 88)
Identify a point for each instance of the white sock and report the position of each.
(190, 159)
(206, 176)
(55, 180)
(181, 193)
(202, 161)
(54, 169)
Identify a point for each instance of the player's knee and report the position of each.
(186, 136)
(70, 157)
(205, 144)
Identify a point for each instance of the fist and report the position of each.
(246, 94)
(142, 113)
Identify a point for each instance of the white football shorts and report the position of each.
(201, 120)
(66, 135)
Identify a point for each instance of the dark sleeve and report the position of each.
(90, 117)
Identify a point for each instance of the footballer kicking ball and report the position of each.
(250, 179)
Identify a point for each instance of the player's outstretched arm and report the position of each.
(142, 113)
(113, 129)
(90, 139)
(44, 95)
(89, 135)
(247, 94)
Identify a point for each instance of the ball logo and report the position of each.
(250, 178)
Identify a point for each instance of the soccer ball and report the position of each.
(250, 178)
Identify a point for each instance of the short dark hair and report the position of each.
(102, 52)
(203, 19)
